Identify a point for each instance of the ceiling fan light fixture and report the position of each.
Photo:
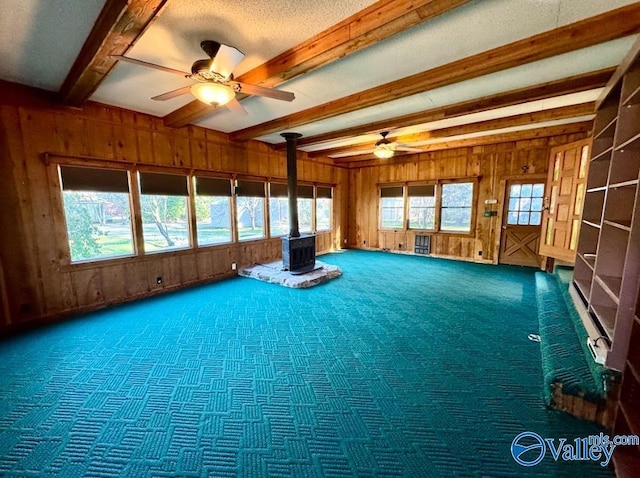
(213, 93)
(383, 151)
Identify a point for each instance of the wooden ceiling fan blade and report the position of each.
(235, 106)
(172, 94)
(409, 149)
(264, 91)
(150, 65)
(226, 59)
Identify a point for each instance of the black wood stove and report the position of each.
(298, 251)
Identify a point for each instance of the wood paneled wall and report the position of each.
(36, 279)
(491, 165)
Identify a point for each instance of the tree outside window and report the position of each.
(97, 213)
(422, 206)
(165, 218)
(250, 210)
(457, 200)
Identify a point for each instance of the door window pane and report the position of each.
(526, 208)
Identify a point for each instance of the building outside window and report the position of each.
(213, 211)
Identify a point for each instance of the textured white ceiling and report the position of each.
(39, 40)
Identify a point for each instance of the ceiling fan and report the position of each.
(214, 76)
(385, 148)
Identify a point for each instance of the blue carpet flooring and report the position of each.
(404, 366)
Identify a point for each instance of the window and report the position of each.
(97, 213)
(457, 200)
(422, 206)
(163, 201)
(278, 210)
(213, 210)
(250, 210)
(525, 204)
(305, 206)
(323, 208)
(391, 207)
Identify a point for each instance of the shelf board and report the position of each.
(583, 286)
(603, 154)
(624, 224)
(606, 317)
(592, 224)
(608, 130)
(631, 143)
(633, 98)
(624, 184)
(589, 259)
(611, 285)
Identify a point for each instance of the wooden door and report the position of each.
(521, 220)
(566, 185)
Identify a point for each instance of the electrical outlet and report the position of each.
(159, 280)
(234, 266)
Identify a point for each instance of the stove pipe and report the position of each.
(292, 182)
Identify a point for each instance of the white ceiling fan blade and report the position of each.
(235, 106)
(172, 94)
(264, 91)
(226, 59)
(151, 65)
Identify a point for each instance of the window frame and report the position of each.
(436, 208)
(193, 197)
(134, 195)
(438, 184)
(264, 197)
(132, 216)
(191, 235)
(472, 207)
(316, 230)
(403, 197)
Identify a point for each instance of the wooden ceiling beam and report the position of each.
(525, 119)
(591, 31)
(572, 128)
(371, 25)
(118, 27)
(565, 86)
